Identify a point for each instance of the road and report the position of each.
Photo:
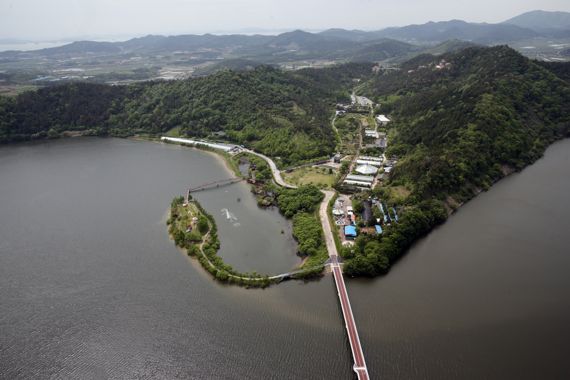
(276, 173)
(324, 216)
(357, 353)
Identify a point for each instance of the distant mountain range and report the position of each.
(542, 21)
(331, 43)
(290, 46)
(538, 34)
(441, 31)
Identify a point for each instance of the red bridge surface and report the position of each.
(359, 362)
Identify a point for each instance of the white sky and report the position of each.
(74, 19)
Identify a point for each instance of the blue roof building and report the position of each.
(378, 229)
(350, 231)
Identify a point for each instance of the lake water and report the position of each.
(92, 287)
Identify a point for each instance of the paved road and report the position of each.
(276, 173)
(359, 362)
(357, 353)
(324, 216)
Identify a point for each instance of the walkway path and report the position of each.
(276, 173)
(357, 353)
(280, 276)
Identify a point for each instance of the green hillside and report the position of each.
(461, 122)
(488, 108)
(285, 114)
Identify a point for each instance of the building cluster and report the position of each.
(368, 221)
(380, 140)
(345, 218)
(443, 64)
(368, 169)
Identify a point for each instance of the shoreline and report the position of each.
(213, 263)
(228, 166)
(221, 156)
(299, 271)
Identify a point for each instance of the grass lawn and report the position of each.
(397, 194)
(311, 175)
(174, 132)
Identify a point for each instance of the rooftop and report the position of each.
(365, 169)
(350, 230)
(361, 178)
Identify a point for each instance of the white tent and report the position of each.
(382, 119)
(367, 169)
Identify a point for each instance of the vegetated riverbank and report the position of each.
(460, 122)
(194, 230)
(298, 204)
(272, 111)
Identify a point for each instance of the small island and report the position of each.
(195, 231)
(406, 145)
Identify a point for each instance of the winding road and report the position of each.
(276, 173)
(358, 355)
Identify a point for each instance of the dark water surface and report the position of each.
(91, 286)
(486, 295)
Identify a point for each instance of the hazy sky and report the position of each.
(54, 19)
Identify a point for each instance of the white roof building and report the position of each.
(357, 183)
(382, 119)
(371, 133)
(370, 158)
(367, 169)
(368, 162)
(361, 178)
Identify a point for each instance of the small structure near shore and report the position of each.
(350, 231)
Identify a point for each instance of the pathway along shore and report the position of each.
(358, 355)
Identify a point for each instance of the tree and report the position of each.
(203, 224)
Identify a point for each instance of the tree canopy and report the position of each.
(285, 114)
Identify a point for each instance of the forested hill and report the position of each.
(460, 122)
(464, 119)
(279, 113)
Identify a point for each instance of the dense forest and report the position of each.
(285, 114)
(461, 121)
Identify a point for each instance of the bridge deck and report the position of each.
(214, 184)
(357, 353)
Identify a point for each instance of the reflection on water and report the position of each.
(486, 295)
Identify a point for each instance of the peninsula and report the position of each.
(403, 146)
